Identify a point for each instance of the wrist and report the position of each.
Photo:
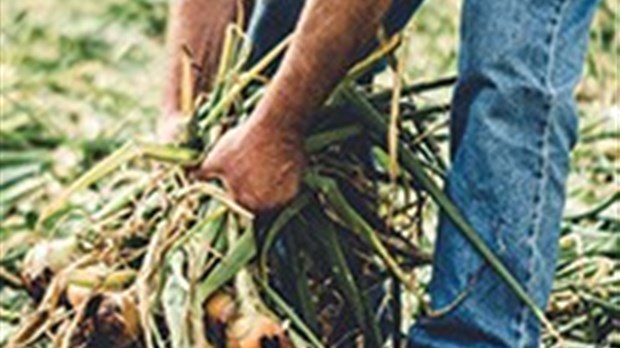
(277, 129)
(283, 110)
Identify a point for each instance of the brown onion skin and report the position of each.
(221, 308)
(257, 331)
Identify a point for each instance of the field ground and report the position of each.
(92, 70)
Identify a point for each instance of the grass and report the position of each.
(72, 93)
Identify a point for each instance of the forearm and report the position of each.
(329, 37)
(198, 26)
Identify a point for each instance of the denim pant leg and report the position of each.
(513, 126)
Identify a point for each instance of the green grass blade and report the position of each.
(283, 218)
(240, 254)
(13, 157)
(359, 304)
(170, 154)
(9, 195)
(354, 221)
(121, 156)
(292, 315)
(596, 210)
(121, 199)
(320, 141)
(11, 175)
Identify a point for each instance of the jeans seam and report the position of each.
(541, 175)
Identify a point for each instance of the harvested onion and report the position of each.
(221, 308)
(257, 331)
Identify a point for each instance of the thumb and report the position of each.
(211, 168)
(218, 159)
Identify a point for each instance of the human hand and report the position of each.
(170, 128)
(260, 166)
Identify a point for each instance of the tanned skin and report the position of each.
(261, 161)
(197, 27)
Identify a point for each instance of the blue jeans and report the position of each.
(513, 126)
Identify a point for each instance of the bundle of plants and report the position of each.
(160, 259)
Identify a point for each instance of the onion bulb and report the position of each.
(257, 331)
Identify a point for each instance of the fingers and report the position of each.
(169, 128)
(219, 158)
(240, 190)
(211, 168)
